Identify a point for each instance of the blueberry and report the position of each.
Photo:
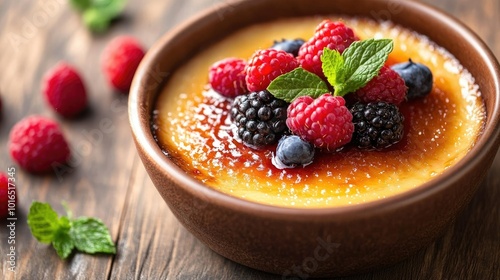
(292, 151)
(289, 46)
(418, 78)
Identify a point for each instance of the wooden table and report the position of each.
(107, 179)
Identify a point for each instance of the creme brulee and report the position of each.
(193, 127)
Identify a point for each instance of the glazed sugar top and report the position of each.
(193, 127)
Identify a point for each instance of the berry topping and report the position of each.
(36, 143)
(289, 46)
(417, 77)
(227, 77)
(292, 151)
(387, 86)
(120, 59)
(5, 195)
(328, 34)
(325, 121)
(377, 125)
(265, 65)
(64, 90)
(259, 117)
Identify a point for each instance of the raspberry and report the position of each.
(120, 60)
(36, 143)
(325, 121)
(377, 125)
(227, 77)
(5, 195)
(64, 90)
(259, 117)
(328, 34)
(265, 65)
(387, 86)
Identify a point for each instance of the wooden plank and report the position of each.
(97, 181)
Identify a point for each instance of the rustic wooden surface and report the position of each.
(108, 180)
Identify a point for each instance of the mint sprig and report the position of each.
(98, 14)
(359, 63)
(346, 72)
(88, 235)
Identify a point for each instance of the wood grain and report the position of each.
(106, 178)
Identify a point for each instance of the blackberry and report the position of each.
(377, 125)
(259, 117)
(417, 77)
(289, 46)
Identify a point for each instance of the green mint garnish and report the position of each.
(92, 236)
(98, 14)
(346, 72)
(43, 222)
(357, 65)
(62, 241)
(88, 235)
(298, 82)
(332, 64)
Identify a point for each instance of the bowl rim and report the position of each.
(487, 140)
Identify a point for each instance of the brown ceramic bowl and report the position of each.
(315, 242)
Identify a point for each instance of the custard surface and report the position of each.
(193, 127)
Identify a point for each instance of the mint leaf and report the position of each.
(333, 64)
(92, 236)
(296, 83)
(43, 222)
(362, 62)
(63, 243)
(95, 20)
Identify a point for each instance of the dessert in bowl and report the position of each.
(194, 127)
(321, 228)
